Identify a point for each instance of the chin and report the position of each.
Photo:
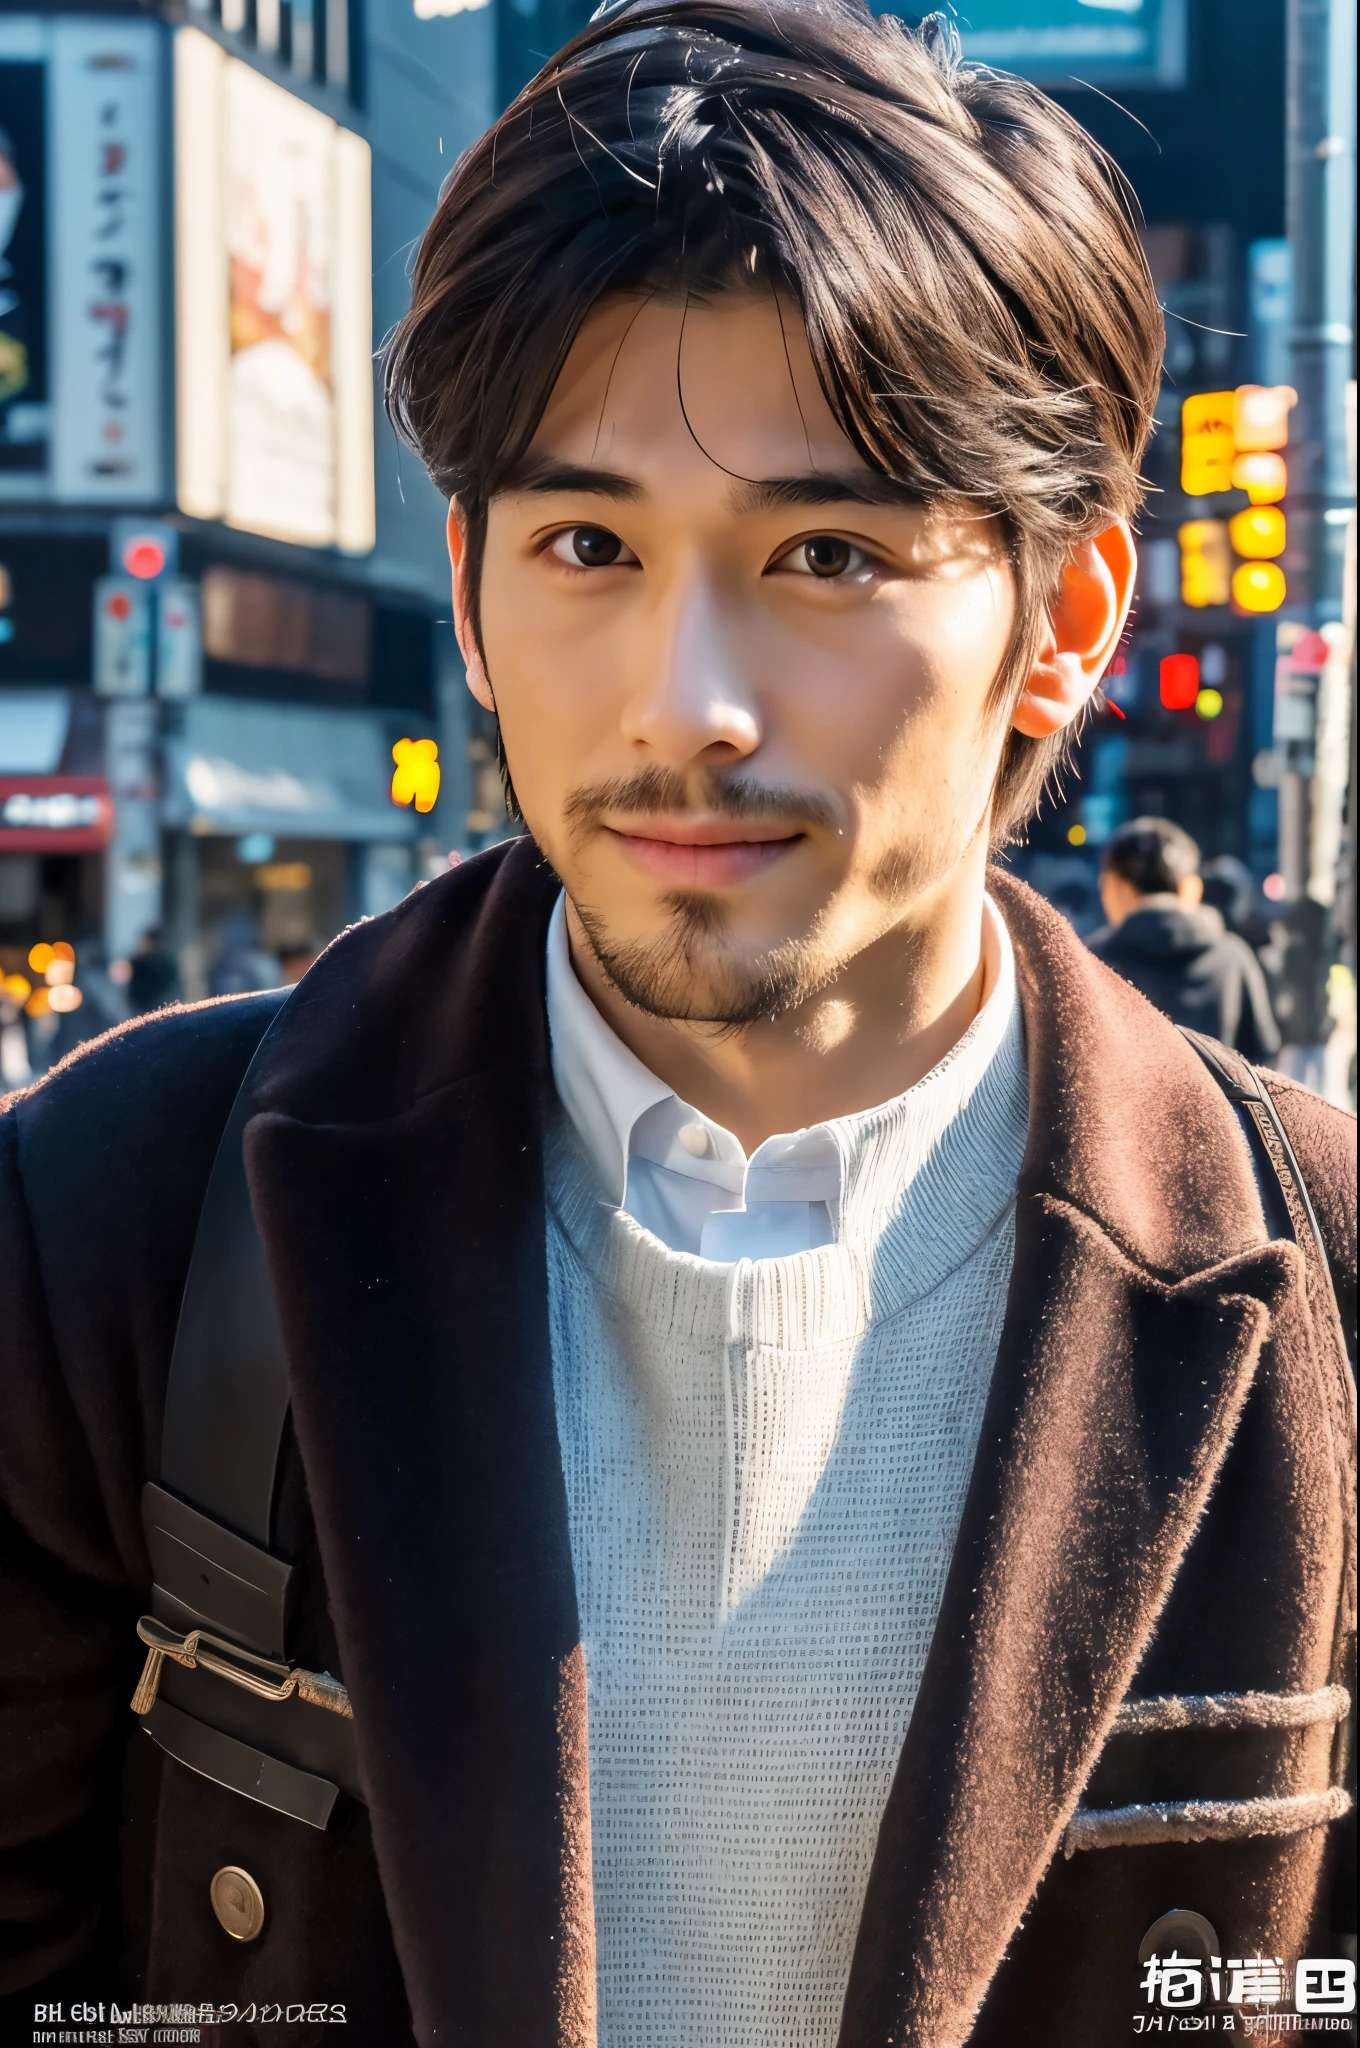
(688, 963)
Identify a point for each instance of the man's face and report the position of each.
(748, 710)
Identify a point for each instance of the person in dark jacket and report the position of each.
(154, 980)
(1176, 948)
(711, 1435)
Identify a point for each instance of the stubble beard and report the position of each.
(691, 972)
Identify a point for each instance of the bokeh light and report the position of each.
(1258, 533)
(1258, 587)
(1178, 681)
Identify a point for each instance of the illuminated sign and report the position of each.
(81, 260)
(274, 314)
(54, 814)
(416, 779)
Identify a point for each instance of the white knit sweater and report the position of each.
(765, 1467)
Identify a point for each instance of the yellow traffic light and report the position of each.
(1206, 562)
(1208, 443)
(1258, 587)
(1261, 416)
(1258, 534)
(1263, 477)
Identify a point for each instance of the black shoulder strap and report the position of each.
(1243, 1086)
(209, 1522)
(219, 1693)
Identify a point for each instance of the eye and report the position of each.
(826, 556)
(592, 547)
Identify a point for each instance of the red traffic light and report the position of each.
(1178, 681)
(143, 557)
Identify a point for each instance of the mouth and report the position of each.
(703, 854)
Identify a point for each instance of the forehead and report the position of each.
(679, 392)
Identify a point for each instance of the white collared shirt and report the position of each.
(686, 1178)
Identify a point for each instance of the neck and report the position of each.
(891, 1013)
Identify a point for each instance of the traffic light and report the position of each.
(1258, 534)
(1178, 681)
(1258, 587)
(145, 549)
(1261, 416)
(1206, 563)
(1263, 477)
(1230, 440)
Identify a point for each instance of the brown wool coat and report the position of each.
(1160, 1507)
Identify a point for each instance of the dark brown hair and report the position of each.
(976, 299)
(1153, 854)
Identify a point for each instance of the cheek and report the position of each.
(548, 669)
(904, 686)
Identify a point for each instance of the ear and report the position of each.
(1082, 631)
(477, 680)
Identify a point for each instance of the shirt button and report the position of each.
(694, 1138)
(238, 1902)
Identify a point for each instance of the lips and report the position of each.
(702, 855)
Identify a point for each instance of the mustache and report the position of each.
(663, 792)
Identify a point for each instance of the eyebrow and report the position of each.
(825, 487)
(540, 473)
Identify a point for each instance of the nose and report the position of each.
(692, 705)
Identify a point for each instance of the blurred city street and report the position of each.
(232, 710)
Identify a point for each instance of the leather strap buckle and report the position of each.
(266, 1677)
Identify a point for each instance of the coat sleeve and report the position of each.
(103, 1166)
(66, 1607)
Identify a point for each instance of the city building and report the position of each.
(223, 587)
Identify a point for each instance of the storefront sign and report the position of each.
(54, 814)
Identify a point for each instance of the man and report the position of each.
(781, 1344)
(1165, 939)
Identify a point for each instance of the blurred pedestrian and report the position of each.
(1175, 947)
(154, 980)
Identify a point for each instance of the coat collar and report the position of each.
(396, 1168)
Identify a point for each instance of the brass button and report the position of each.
(238, 1902)
(1179, 1927)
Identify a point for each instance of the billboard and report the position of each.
(1132, 42)
(82, 411)
(23, 268)
(273, 315)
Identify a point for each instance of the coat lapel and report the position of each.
(1141, 1295)
(397, 1177)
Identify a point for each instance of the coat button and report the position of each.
(238, 1902)
(1190, 1930)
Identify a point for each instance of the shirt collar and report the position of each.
(621, 1110)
